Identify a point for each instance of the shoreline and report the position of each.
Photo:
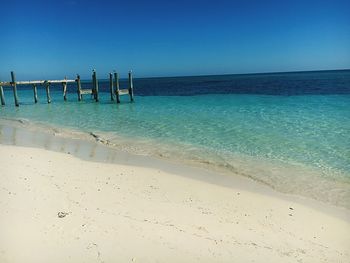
(57, 206)
(94, 147)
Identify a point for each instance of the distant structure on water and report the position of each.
(113, 87)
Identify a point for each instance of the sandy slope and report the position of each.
(120, 213)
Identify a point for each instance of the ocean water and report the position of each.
(288, 130)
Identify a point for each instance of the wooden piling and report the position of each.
(95, 85)
(131, 87)
(14, 86)
(116, 80)
(64, 86)
(79, 88)
(111, 86)
(47, 86)
(2, 96)
(35, 93)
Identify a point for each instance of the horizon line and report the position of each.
(248, 73)
(229, 74)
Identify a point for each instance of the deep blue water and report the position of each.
(285, 84)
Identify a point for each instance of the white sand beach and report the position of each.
(55, 207)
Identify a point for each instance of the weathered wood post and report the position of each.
(47, 86)
(35, 93)
(111, 86)
(79, 87)
(64, 86)
(116, 80)
(2, 96)
(131, 87)
(14, 85)
(95, 84)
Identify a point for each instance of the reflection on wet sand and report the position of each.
(82, 148)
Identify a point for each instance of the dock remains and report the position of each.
(115, 91)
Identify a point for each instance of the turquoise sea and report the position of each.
(290, 131)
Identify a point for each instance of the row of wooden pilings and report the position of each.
(115, 91)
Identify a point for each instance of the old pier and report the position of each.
(115, 91)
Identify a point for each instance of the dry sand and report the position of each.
(55, 207)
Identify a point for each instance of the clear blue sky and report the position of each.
(47, 39)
